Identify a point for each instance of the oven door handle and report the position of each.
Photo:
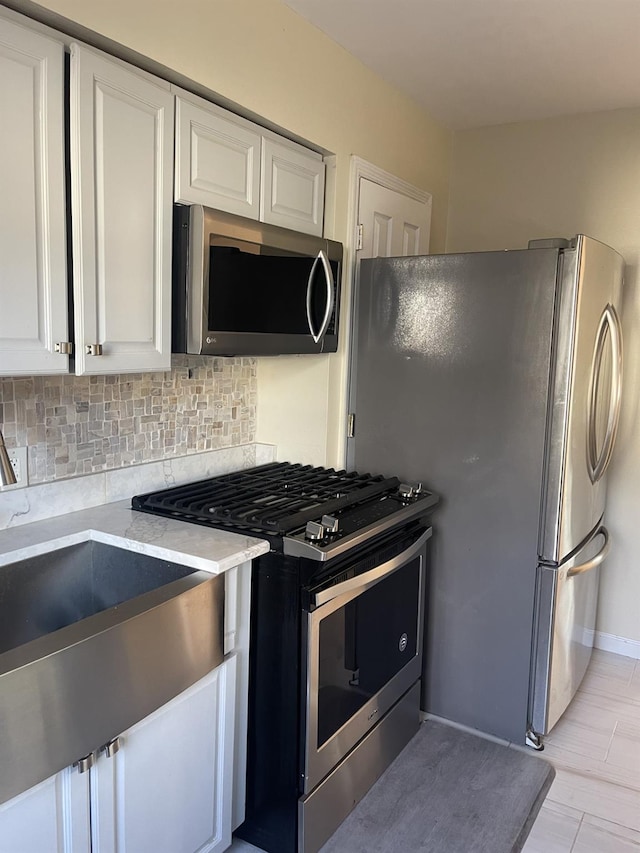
(373, 576)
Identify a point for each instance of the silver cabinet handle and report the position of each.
(328, 275)
(93, 349)
(85, 763)
(109, 749)
(594, 562)
(597, 465)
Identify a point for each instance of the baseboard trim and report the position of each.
(618, 645)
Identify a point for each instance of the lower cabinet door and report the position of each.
(52, 817)
(168, 789)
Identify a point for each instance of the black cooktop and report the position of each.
(276, 498)
(280, 499)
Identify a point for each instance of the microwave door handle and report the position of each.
(328, 274)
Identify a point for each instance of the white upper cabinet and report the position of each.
(217, 159)
(292, 186)
(121, 209)
(228, 163)
(33, 275)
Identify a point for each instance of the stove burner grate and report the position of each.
(275, 498)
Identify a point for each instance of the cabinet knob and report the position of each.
(85, 763)
(93, 349)
(109, 749)
(64, 347)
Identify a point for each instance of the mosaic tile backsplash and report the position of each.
(75, 425)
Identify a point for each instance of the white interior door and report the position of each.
(391, 223)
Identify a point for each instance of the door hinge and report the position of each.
(351, 426)
(359, 230)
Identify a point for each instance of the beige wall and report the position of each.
(557, 178)
(261, 55)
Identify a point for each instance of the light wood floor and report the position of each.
(594, 803)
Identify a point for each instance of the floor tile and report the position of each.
(625, 748)
(612, 675)
(601, 836)
(634, 685)
(611, 664)
(607, 707)
(554, 831)
(601, 798)
(592, 767)
(584, 729)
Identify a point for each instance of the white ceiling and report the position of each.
(479, 62)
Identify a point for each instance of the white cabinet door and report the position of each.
(121, 204)
(33, 276)
(292, 191)
(217, 158)
(168, 789)
(52, 817)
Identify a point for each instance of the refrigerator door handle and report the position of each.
(598, 464)
(594, 562)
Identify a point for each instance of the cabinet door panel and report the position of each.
(33, 277)
(292, 193)
(169, 787)
(121, 167)
(52, 816)
(217, 159)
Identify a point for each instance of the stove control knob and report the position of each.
(314, 531)
(330, 524)
(409, 491)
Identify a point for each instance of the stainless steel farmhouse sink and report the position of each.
(93, 638)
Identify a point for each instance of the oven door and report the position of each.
(364, 651)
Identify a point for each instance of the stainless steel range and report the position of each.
(336, 634)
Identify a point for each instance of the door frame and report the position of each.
(360, 168)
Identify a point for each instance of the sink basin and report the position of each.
(93, 638)
(48, 592)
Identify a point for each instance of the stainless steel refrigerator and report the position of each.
(495, 379)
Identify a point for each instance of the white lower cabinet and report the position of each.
(52, 817)
(167, 789)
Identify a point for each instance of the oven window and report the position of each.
(364, 644)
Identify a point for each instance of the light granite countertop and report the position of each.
(117, 524)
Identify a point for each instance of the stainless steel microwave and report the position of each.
(241, 287)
